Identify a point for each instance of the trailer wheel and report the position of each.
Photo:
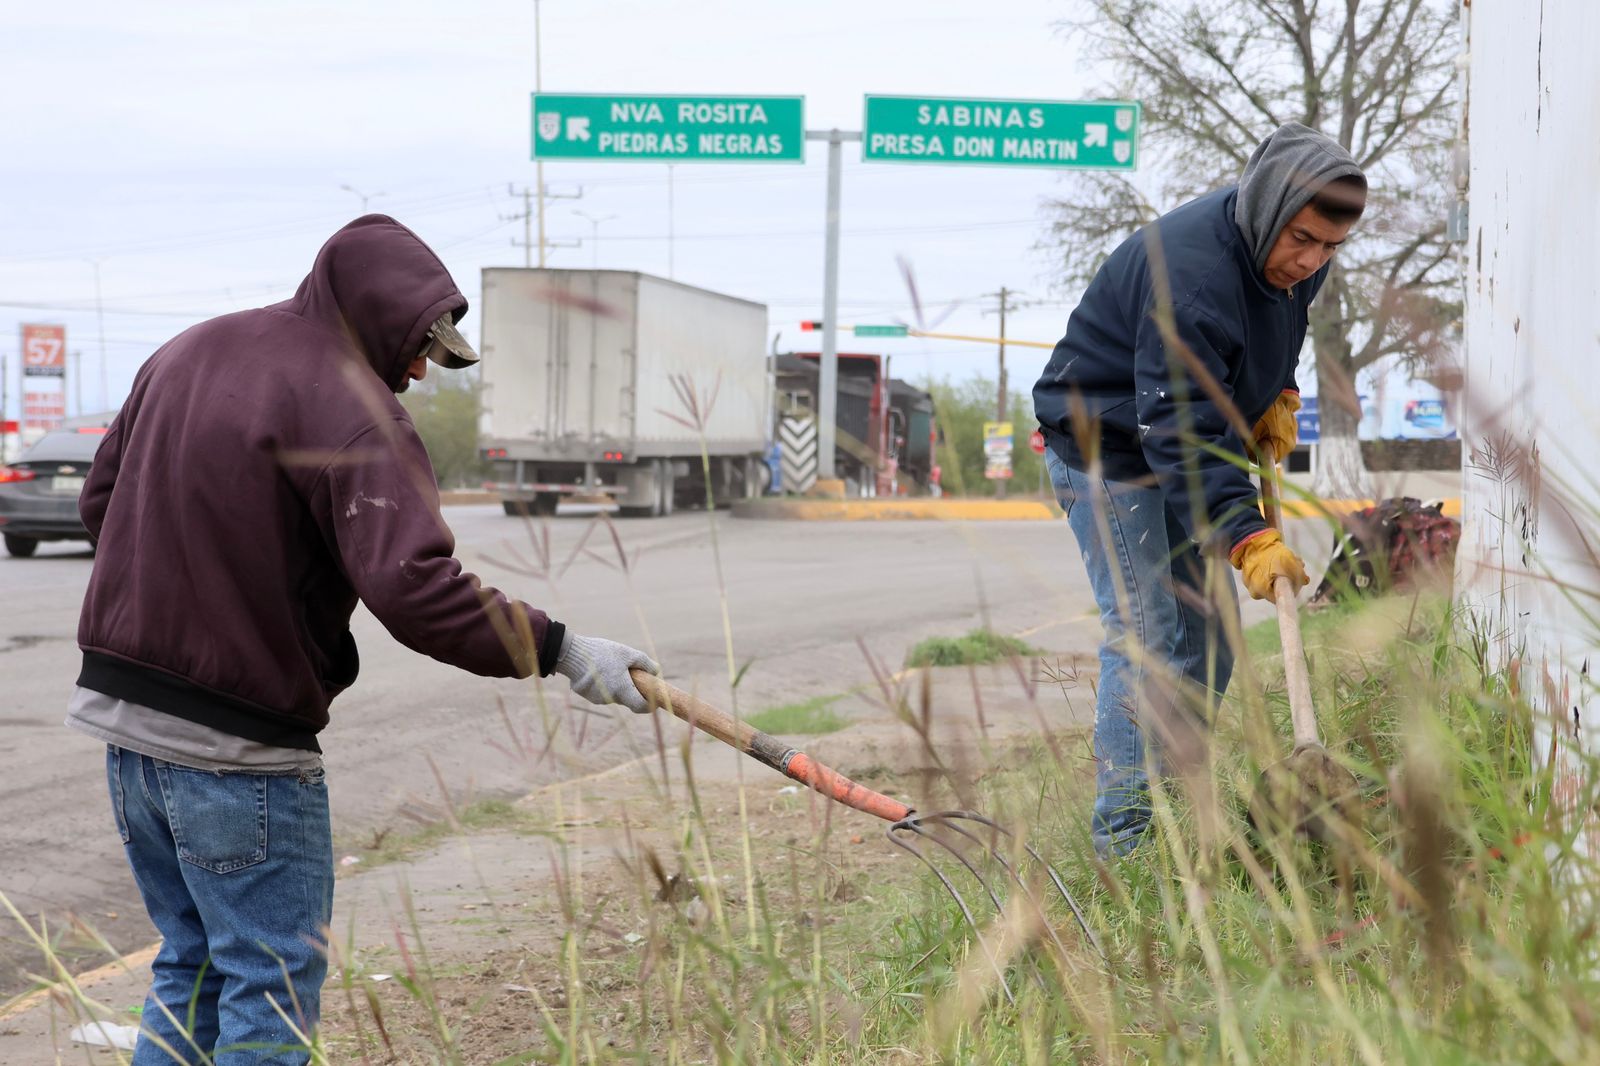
(543, 505)
(660, 471)
(667, 483)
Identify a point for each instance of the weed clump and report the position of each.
(974, 649)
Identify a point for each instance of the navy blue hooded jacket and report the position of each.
(1112, 385)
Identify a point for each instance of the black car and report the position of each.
(39, 492)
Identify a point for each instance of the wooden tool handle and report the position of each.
(767, 749)
(698, 713)
(1296, 677)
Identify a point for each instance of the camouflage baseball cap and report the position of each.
(449, 348)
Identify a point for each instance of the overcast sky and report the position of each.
(197, 151)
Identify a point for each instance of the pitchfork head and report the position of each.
(976, 843)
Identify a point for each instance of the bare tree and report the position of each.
(1216, 76)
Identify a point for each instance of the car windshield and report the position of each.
(64, 446)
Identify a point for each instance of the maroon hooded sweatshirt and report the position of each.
(260, 478)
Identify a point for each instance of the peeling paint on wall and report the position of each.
(1529, 566)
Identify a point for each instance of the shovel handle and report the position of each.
(1297, 678)
(767, 749)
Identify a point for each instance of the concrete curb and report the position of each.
(945, 509)
(919, 508)
(133, 961)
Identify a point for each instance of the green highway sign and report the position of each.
(670, 129)
(862, 331)
(1085, 135)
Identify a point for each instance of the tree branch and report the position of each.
(1158, 64)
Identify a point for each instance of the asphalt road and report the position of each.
(799, 597)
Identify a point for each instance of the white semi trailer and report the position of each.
(591, 383)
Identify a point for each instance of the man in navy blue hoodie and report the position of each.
(1178, 365)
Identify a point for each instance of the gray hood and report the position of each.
(1283, 174)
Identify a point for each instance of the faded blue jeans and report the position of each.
(1149, 583)
(236, 871)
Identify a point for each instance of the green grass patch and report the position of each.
(1349, 626)
(974, 649)
(811, 717)
(1459, 930)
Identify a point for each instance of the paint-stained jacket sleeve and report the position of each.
(1180, 422)
(378, 504)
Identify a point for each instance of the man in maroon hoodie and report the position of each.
(259, 480)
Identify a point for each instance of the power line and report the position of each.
(90, 309)
(243, 234)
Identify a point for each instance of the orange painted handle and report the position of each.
(836, 786)
(768, 750)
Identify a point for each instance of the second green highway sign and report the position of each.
(1085, 135)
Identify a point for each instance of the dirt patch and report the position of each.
(575, 953)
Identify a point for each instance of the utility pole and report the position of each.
(5, 381)
(76, 370)
(100, 320)
(538, 164)
(527, 215)
(1002, 403)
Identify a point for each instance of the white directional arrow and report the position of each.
(1095, 134)
(578, 128)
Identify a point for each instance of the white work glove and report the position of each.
(598, 670)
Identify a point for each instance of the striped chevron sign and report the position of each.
(797, 442)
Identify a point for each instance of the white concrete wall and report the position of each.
(1531, 393)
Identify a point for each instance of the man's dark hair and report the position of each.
(1342, 199)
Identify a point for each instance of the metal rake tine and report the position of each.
(920, 828)
(946, 819)
(1072, 904)
(955, 894)
(994, 853)
(1055, 878)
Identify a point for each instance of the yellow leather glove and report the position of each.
(1279, 431)
(1264, 557)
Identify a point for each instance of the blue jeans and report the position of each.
(236, 871)
(1165, 659)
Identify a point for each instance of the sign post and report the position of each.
(668, 129)
(1069, 134)
(828, 372)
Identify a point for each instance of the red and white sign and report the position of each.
(43, 411)
(1036, 441)
(44, 351)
